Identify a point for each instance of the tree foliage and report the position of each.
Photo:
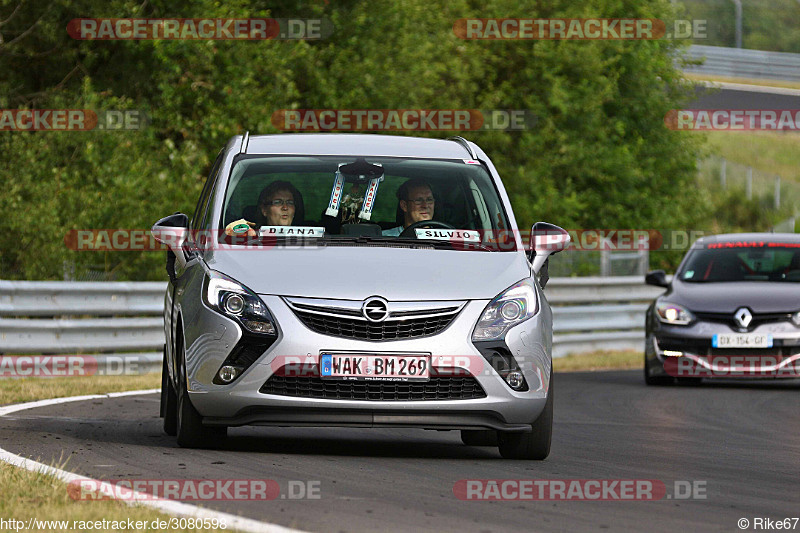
(599, 155)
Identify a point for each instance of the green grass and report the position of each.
(27, 494)
(602, 360)
(746, 81)
(32, 389)
(34, 495)
(768, 152)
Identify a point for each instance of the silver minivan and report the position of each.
(358, 281)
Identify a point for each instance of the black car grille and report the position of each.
(704, 349)
(440, 387)
(751, 352)
(757, 320)
(353, 328)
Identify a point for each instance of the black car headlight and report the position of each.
(234, 300)
(511, 307)
(673, 314)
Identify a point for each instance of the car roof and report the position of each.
(736, 237)
(356, 144)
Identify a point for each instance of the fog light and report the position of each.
(672, 353)
(228, 373)
(259, 327)
(515, 380)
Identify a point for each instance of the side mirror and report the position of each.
(172, 231)
(657, 278)
(546, 240)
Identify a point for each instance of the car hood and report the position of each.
(727, 297)
(355, 273)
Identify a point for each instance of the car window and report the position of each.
(329, 193)
(202, 203)
(744, 261)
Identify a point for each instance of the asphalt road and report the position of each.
(755, 98)
(738, 441)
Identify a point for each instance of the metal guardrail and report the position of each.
(110, 317)
(592, 314)
(742, 63)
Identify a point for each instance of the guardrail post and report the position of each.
(777, 192)
(723, 173)
(749, 183)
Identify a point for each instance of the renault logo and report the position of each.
(375, 309)
(743, 316)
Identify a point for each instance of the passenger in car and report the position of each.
(279, 204)
(415, 204)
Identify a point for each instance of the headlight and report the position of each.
(234, 300)
(673, 314)
(511, 307)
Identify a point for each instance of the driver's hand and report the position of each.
(240, 227)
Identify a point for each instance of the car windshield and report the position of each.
(380, 200)
(743, 261)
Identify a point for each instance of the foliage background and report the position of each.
(599, 156)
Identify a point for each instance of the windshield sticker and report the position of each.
(689, 274)
(471, 162)
(369, 198)
(291, 231)
(336, 194)
(456, 235)
(737, 244)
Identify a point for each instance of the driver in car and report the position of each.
(416, 203)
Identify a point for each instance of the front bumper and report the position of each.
(687, 352)
(242, 403)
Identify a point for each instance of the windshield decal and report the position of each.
(291, 231)
(453, 235)
(336, 193)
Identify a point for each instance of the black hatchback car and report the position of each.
(731, 310)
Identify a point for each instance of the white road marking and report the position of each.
(166, 506)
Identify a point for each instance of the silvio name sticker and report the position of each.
(291, 231)
(458, 235)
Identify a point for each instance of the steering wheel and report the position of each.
(409, 231)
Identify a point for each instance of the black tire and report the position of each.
(655, 380)
(479, 437)
(169, 401)
(191, 432)
(534, 445)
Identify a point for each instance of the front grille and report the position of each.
(751, 352)
(442, 387)
(757, 320)
(354, 328)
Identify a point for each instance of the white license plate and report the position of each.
(741, 340)
(371, 367)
